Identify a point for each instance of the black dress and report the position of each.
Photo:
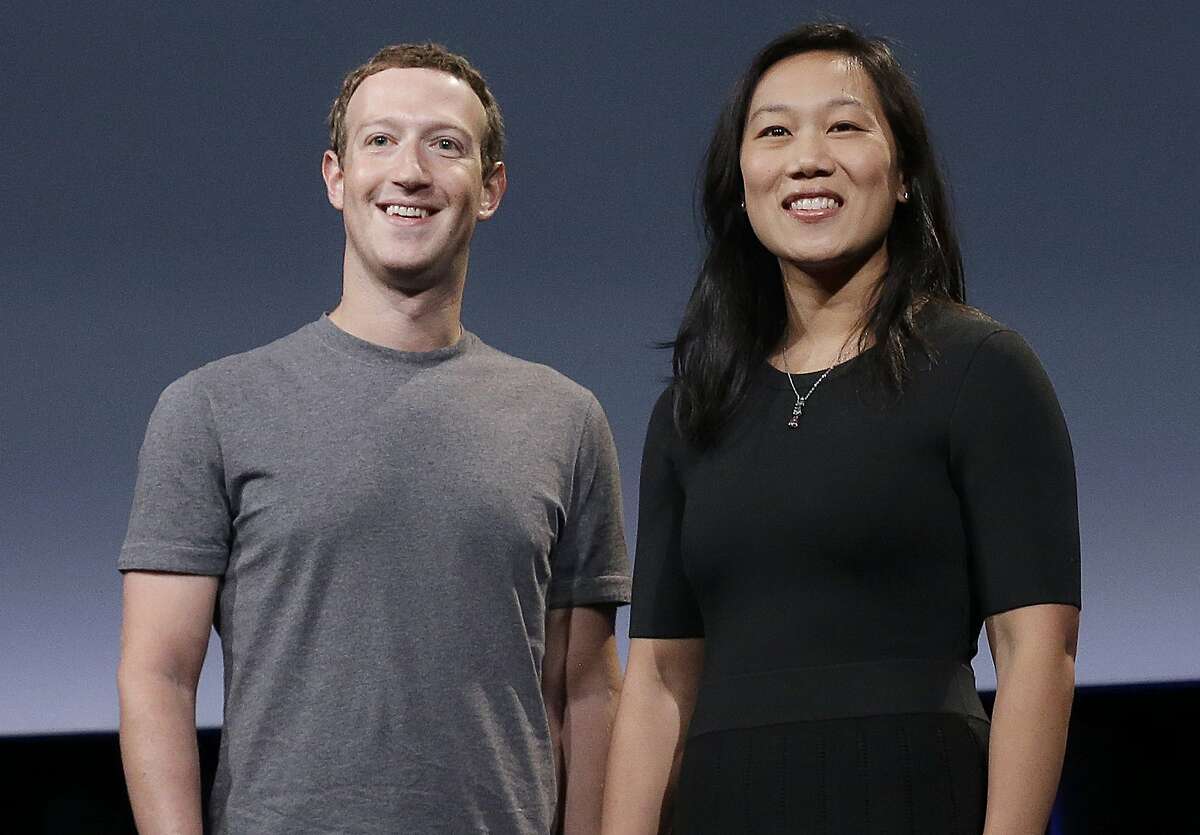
(839, 573)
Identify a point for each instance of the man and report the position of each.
(411, 543)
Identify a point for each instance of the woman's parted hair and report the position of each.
(430, 56)
(737, 312)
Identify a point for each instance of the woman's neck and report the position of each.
(826, 313)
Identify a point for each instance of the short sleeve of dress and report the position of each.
(663, 603)
(180, 520)
(590, 564)
(1012, 464)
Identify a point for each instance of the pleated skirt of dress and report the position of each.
(908, 774)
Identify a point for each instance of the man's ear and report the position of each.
(331, 170)
(495, 184)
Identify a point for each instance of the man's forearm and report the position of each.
(160, 756)
(1028, 738)
(587, 731)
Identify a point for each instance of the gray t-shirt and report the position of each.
(390, 529)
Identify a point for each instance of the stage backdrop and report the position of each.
(163, 207)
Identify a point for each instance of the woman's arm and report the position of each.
(1033, 648)
(656, 705)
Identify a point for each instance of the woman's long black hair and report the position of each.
(737, 313)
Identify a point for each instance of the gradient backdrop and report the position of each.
(163, 207)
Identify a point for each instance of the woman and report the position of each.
(850, 473)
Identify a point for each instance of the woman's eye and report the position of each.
(842, 127)
(377, 141)
(774, 130)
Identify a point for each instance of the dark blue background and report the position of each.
(163, 207)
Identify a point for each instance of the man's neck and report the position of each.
(418, 320)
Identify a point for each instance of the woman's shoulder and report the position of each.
(968, 344)
(964, 342)
(953, 328)
(662, 415)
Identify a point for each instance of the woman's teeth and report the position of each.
(813, 203)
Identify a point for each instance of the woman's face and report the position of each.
(819, 164)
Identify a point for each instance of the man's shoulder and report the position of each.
(537, 382)
(235, 369)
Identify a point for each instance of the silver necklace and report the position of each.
(798, 409)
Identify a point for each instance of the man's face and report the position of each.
(410, 183)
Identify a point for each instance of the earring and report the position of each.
(743, 205)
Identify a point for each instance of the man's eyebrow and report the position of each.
(836, 101)
(432, 124)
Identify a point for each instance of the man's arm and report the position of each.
(1034, 651)
(164, 636)
(581, 680)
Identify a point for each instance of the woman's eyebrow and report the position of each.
(844, 100)
(770, 108)
(836, 101)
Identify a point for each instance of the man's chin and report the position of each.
(415, 277)
(408, 269)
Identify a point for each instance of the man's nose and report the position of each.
(410, 169)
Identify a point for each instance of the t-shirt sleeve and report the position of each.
(663, 603)
(1011, 459)
(590, 563)
(180, 520)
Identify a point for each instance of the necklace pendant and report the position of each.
(797, 410)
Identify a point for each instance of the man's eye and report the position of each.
(445, 143)
(377, 141)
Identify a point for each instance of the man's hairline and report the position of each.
(481, 142)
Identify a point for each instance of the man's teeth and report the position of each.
(406, 211)
(813, 203)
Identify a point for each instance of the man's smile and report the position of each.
(406, 213)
